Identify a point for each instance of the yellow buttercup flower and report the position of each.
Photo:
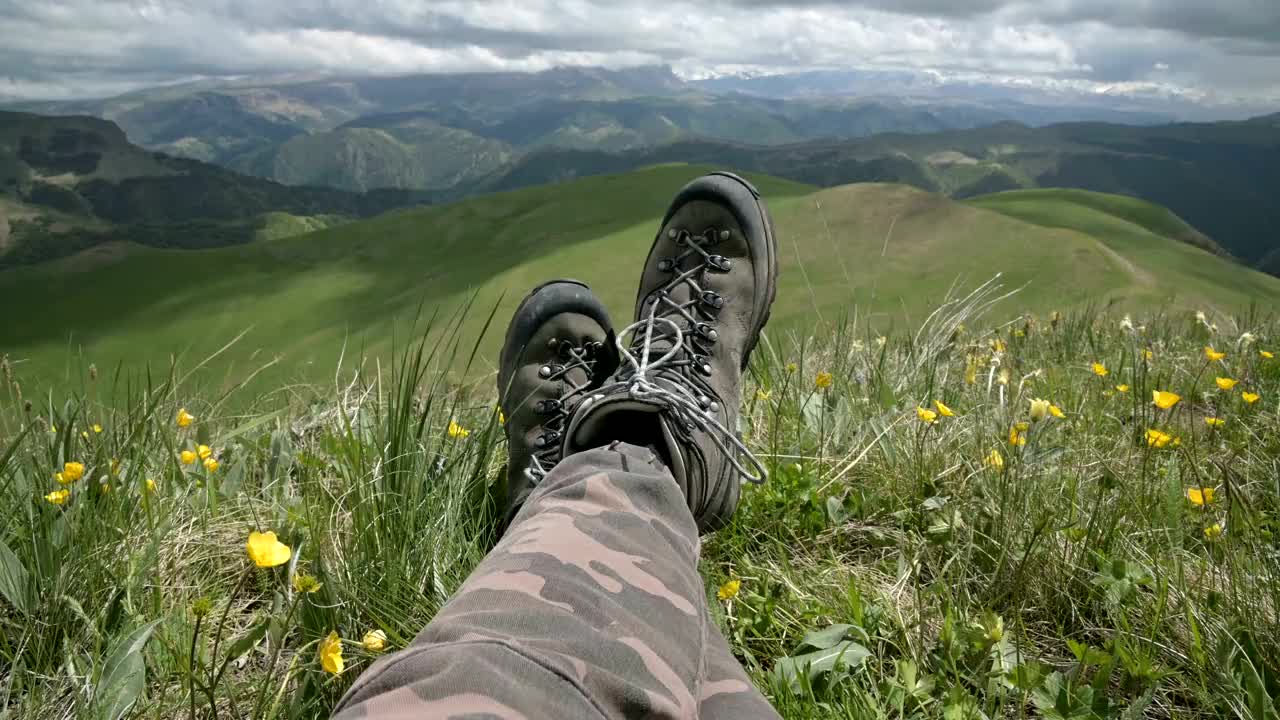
(1214, 422)
(84, 434)
(994, 460)
(151, 485)
(187, 457)
(457, 431)
(1164, 400)
(1213, 355)
(184, 418)
(1122, 388)
(211, 464)
(997, 345)
(1200, 496)
(763, 395)
(1100, 370)
(1148, 355)
(943, 410)
(1267, 355)
(266, 551)
(331, 654)
(1039, 409)
(791, 367)
(823, 381)
(1018, 435)
(1213, 532)
(71, 472)
(1056, 411)
(729, 590)
(204, 451)
(926, 416)
(58, 497)
(1159, 439)
(1226, 383)
(1250, 398)
(374, 641)
(97, 428)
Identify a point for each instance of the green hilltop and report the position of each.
(885, 254)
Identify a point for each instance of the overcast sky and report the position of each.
(1212, 50)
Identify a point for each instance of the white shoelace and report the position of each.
(679, 398)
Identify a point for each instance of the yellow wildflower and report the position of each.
(1214, 422)
(184, 418)
(306, 583)
(994, 460)
(1213, 532)
(457, 431)
(1226, 383)
(1148, 355)
(187, 457)
(1250, 398)
(374, 641)
(1200, 496)
(151, 485)
(1159, 439)
(71, 472)
(58, 497)
(943, 410)
(331, 654)
(1056, 411)
(53, 428)
(1017, 436)
(729, 590)
(1100, 370)
(204, 451)
(1003, 376)
(763, 395)
(97, 428)
(502, 418)
(84, 434)
(926, 416)
(211, 464)
(1164, 400)
(266, 551)
(1122, 388)
(1267, 355)
(997, 345)
(823, 381)
(1039, 409)
(792, 367)
(1213, 355)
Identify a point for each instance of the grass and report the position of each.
(302, 302)
(1074, 577)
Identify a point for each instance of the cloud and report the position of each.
(74, 47)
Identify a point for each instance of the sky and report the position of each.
(1224, 51)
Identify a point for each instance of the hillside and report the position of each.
(74, 182)
(889, 253)
(1219, 177)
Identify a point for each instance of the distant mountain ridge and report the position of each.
(441, 132)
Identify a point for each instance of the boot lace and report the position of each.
(592, 357)
(684, 348)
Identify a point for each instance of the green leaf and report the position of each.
(245, 642)
(841, 656)
(13, 580)
(827, 638)
(123, 675)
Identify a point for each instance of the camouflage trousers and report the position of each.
(590, 606)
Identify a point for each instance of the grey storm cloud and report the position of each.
(1220, 50)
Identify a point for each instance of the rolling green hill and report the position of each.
(887, 252)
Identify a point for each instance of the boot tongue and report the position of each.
(637, 422)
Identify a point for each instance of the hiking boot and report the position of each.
(558, 348)
(704, 296)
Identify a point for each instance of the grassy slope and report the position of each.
(302, 297)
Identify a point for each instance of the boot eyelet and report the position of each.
(671, 233)
(724, 235)
(553, 343)
(707, 332)
(719, 263)
(666, 264)
(712, 300)
(544, 372)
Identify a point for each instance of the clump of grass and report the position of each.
(933, 541)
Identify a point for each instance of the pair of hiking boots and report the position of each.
(672, 380)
